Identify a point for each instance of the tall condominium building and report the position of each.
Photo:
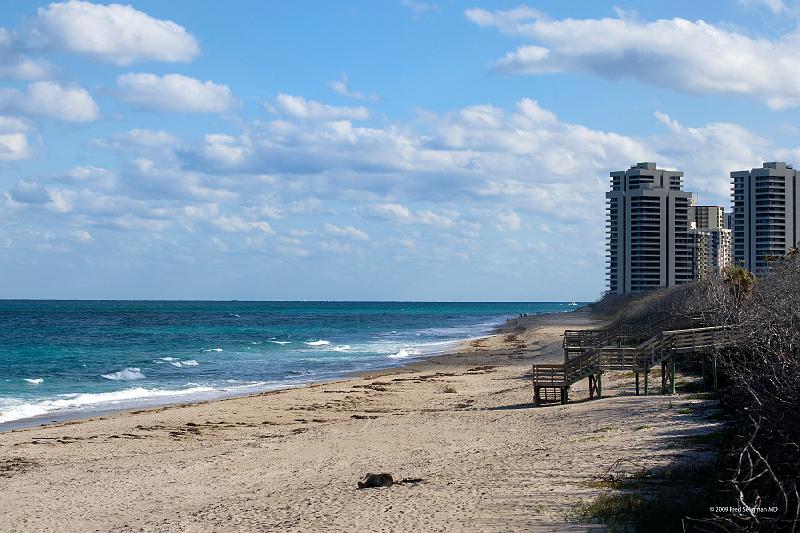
(712, 242)
(649, 245)
(707, 216)
(765, 217)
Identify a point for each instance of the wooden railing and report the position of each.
(617, 358)
(581, 366)
(604, 349)
(689, 340)
(578, 341)
(550, 375)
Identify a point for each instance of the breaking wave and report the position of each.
(126, 374)
(404, 353)
(87, 400)
(317, 343)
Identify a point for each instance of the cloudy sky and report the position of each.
(404, 150)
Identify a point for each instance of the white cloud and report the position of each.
(61, 201)
(336, 247)
(220, 245)
(13, 139)
(16, 67)
(509, 221)
(396, 212)
(295, 251)
(161, 178)
(307, 206)
(49, 99)
(14, 124)
(114, 33)
(688, 56)
(235, 224)
(29, 192)
(506, 167)
(137, 137)
(432, 188)
(511, 21)
(174, 93)
(299, 107)
(497, 142)
(225, 150)
(709, 153)
(340, 87)
(419, 8)
(776, 6)
(459, 154)
(346, 231)
(402, 214)
(81, 235)
(14, 146)
(96, 178)
(435, 219)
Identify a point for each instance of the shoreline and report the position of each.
(67, 415)
(289, 459)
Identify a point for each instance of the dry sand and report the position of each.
(290, 460)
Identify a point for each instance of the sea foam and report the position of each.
(88, 400)
(126, 374)
(34, 381)
(317, 343)
(404, 353)
(188, 362)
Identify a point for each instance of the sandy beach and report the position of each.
(461, 425)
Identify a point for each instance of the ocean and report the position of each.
(62, 359)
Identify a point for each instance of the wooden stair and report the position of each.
(590, 353)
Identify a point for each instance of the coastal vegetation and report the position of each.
(755, 477)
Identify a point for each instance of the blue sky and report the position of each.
(365, 150)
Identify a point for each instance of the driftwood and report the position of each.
(385, 480)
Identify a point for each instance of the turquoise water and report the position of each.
(75, 357)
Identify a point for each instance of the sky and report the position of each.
(363, 150)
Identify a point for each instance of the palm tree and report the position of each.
(740, 280)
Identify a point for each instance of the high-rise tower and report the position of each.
(649, 245)
(765, 217)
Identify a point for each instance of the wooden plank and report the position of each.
(588, 353)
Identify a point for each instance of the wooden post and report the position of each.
(564, 395)
(703, 373)
(714, 370)
(637, 383)
(599, 383)
(591, 387)
(672, 374)
(663, 377)
(646, 375)
(661, 358)
(537, 392)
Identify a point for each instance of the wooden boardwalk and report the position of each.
(590, 353)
